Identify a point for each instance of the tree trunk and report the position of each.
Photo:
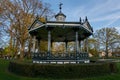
(22, 51)
(29, 48)
(16, 49)
(106, 49)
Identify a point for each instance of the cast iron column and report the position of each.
(34, 43)
(79, 46)
(87, 44)
(49, 43)
(77, 50)
(33, 47)
(38, 45)
(66, 49)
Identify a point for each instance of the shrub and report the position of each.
(62, 70)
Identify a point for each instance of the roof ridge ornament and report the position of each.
(86, 19)
(80, 20)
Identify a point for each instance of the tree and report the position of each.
(93, 46)
(18, 15)
(106, 37)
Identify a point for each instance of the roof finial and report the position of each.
(60, 6)
(80, 21)
(86, 18)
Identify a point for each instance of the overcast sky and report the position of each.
(100, 13)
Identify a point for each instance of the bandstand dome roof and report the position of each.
(60, 13)
(60, 31)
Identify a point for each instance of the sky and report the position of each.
(100, 13)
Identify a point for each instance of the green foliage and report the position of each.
(62, 71)
(5, 75)
(8, 51)
(43, 45)
(94, 52)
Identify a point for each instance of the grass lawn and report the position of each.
(5, 75)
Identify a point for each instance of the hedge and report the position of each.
(62, 70)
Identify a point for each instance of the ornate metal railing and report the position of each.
(60, 56)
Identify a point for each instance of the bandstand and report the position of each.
(60, 31)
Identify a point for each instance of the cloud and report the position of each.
(105, 6)
(108, 11)
(110, 23)
(99, 11)
(108, 17)
(118, 28)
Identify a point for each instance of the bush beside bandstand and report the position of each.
(62, 70)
